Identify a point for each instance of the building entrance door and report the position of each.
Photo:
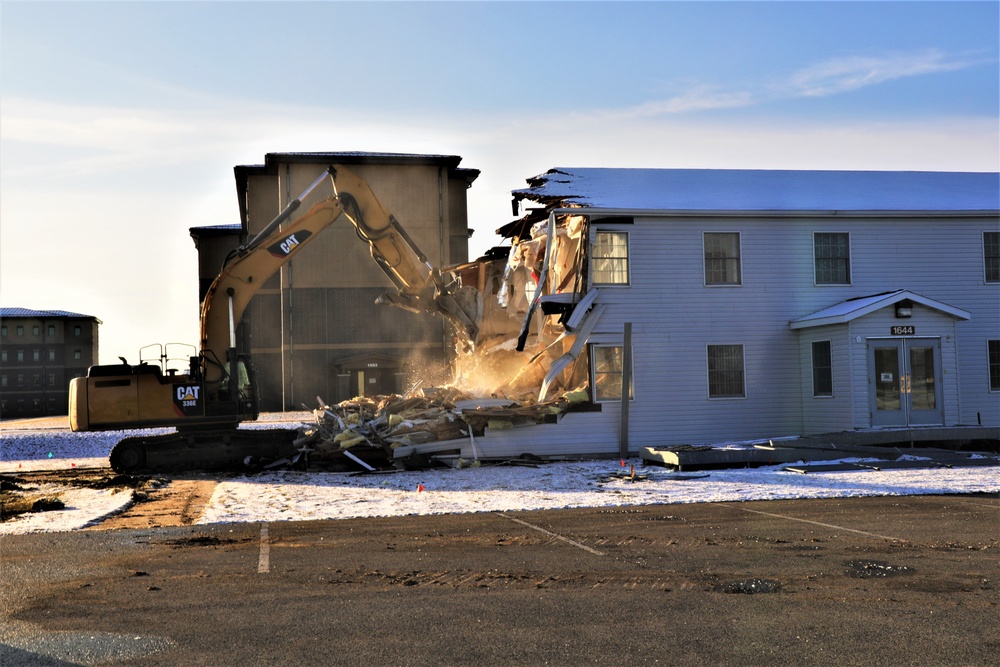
(903, 380)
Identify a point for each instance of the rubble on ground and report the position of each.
(366, 430)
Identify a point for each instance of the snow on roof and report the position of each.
(766, 190)
(845, 311)
(28, 312)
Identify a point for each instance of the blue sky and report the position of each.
(120, 122)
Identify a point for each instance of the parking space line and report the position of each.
(551, 534)
(818, 523)
(264, 561)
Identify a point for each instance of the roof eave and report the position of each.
(583, 209)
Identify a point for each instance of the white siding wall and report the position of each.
(675, 316)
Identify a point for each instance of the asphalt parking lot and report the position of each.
(892, 580)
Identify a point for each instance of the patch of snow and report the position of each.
(83, 507)
(297, 496)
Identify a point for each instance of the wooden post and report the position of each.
(626, 383)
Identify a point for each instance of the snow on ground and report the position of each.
(295, 496)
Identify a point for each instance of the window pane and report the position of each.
(608, 373)
(922, 390)
(722, 258)
(822, 369)
(994, 347)
(887, 376)
(725, 371)
(991, 256)
(833, 262)
(610, 258)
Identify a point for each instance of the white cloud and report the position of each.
(852, 72)
(829, 77)
(701, 98)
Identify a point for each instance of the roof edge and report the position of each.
(888, 299)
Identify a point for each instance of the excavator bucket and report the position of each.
(465, 307)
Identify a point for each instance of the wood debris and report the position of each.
(366, 430)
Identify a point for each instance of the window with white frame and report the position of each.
(722, 258)
(609, 259)
(726, 371)
(991, 256)
(832, 254)
(607, 362)
(822, 368)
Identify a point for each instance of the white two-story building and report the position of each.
(767, 304)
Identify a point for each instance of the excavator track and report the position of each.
(219, 449)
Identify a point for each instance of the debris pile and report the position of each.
(367, 430)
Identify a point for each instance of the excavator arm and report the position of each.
(250, 266)
(420, 287)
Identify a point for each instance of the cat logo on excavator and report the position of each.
(187, 399)
(285, 246)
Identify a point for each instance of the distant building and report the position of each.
(314, 329)
(40, 352)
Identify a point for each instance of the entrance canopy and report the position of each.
(845, 311)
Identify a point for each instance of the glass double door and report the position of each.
(904, 385)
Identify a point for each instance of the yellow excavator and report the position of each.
(207, 404)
